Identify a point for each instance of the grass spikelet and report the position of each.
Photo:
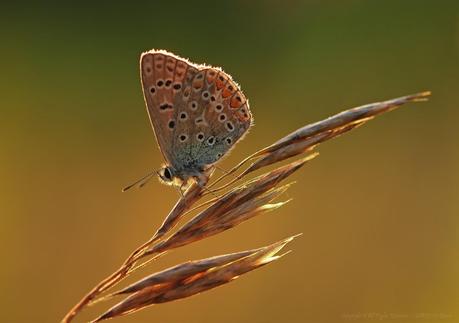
(192, 278)
(191, 196)
(365, 112)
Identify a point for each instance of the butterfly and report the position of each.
(197, 112)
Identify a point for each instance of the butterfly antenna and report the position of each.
(141, 182)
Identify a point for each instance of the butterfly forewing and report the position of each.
(198, 113)
(160, 72)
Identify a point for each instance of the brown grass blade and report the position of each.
(193, 194)
(300, 147)
(184, 280)
(232, 208)
(182, 271)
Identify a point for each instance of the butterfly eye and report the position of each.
(167, 173)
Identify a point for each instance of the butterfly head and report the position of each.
(169, 176)
(166, 174)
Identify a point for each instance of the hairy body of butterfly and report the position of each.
(198, 113)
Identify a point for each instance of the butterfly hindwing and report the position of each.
(225, 126)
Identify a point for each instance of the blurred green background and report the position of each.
(379, 208)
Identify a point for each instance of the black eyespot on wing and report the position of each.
(168, 83)
(165, 106)
(229, 126)
(171, 124)
(160, 83)
(177, 86)
(210, 140)
(200, 137)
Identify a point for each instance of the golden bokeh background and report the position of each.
(379, 208)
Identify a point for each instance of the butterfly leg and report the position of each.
(201, 180)
(183, 187)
